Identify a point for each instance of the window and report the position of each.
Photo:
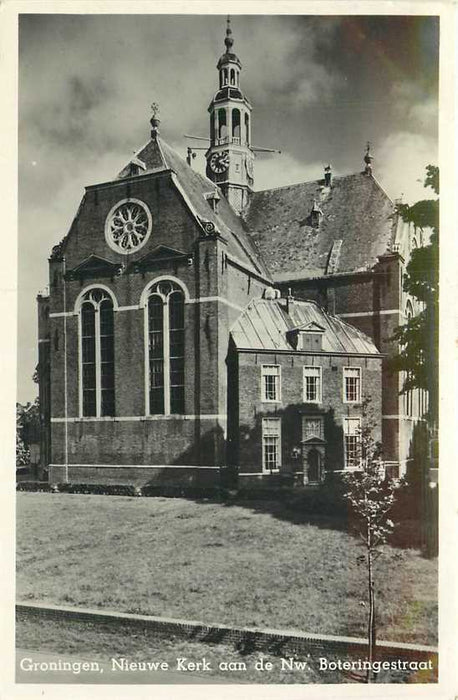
(236, 123)
(312, 384)
(270, 383)
(271, 444)
(247, 129)
(212, 127)
(165, 334)
(408, 395)
(352, 384)
(97, 396)
(222, 124)
(352, 444)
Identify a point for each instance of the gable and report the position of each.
(93, 266)
(159, 256)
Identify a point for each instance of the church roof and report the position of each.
(158, 156)
(308, 230)
(267, 324)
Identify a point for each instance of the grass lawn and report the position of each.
(246, 565)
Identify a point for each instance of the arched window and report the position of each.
(96, 354)
(409, 394)
(232, 76)
(409, 310)
(247, 129)
(222, 123)
(236, 123)
(165, 333)
(212, 127)
(224, 76)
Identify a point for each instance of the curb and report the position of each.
(275, 641)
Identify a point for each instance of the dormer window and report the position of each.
(308, 338)
(213, 200)
(315, 215)
(136, 166)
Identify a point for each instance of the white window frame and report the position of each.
(266, 433)
(266, 373)
(320, 383)
(84, 297)
(345, 374)
(151, 290)
(346, 433)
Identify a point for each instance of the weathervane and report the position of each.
(368, 158)
(154, 121)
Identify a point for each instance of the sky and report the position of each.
(320, 87)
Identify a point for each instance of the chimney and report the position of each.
(289, 300)
(190, 155)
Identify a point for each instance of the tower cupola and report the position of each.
(229, 65)
(230, 159)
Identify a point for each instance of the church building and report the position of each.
(200, 332)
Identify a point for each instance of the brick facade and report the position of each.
(222, 260)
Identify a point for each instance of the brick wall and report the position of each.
(248, 433)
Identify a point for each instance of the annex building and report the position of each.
(197, 330)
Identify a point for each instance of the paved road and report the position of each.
(101, 672)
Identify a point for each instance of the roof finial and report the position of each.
(368, 158)
(155, 121)
(228, 40)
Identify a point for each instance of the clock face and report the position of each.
(219, 162)
(249, 167)
(128, 226)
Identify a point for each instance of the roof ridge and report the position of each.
(382, 189)
(161, 151)
(307, 182)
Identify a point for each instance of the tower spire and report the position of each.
(230, 157)
(229, 41)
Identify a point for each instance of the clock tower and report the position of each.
(230, 158)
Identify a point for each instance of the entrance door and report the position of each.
(314, 463)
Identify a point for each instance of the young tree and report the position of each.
(371, 497)
(419, 337)
(22, 453)
(27, 430)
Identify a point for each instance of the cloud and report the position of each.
(417, 111)
(403, 157)
(283, 169)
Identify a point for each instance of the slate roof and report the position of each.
(355, 211)
(158, 156)
(265, 323)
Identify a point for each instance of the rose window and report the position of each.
(128, 226)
